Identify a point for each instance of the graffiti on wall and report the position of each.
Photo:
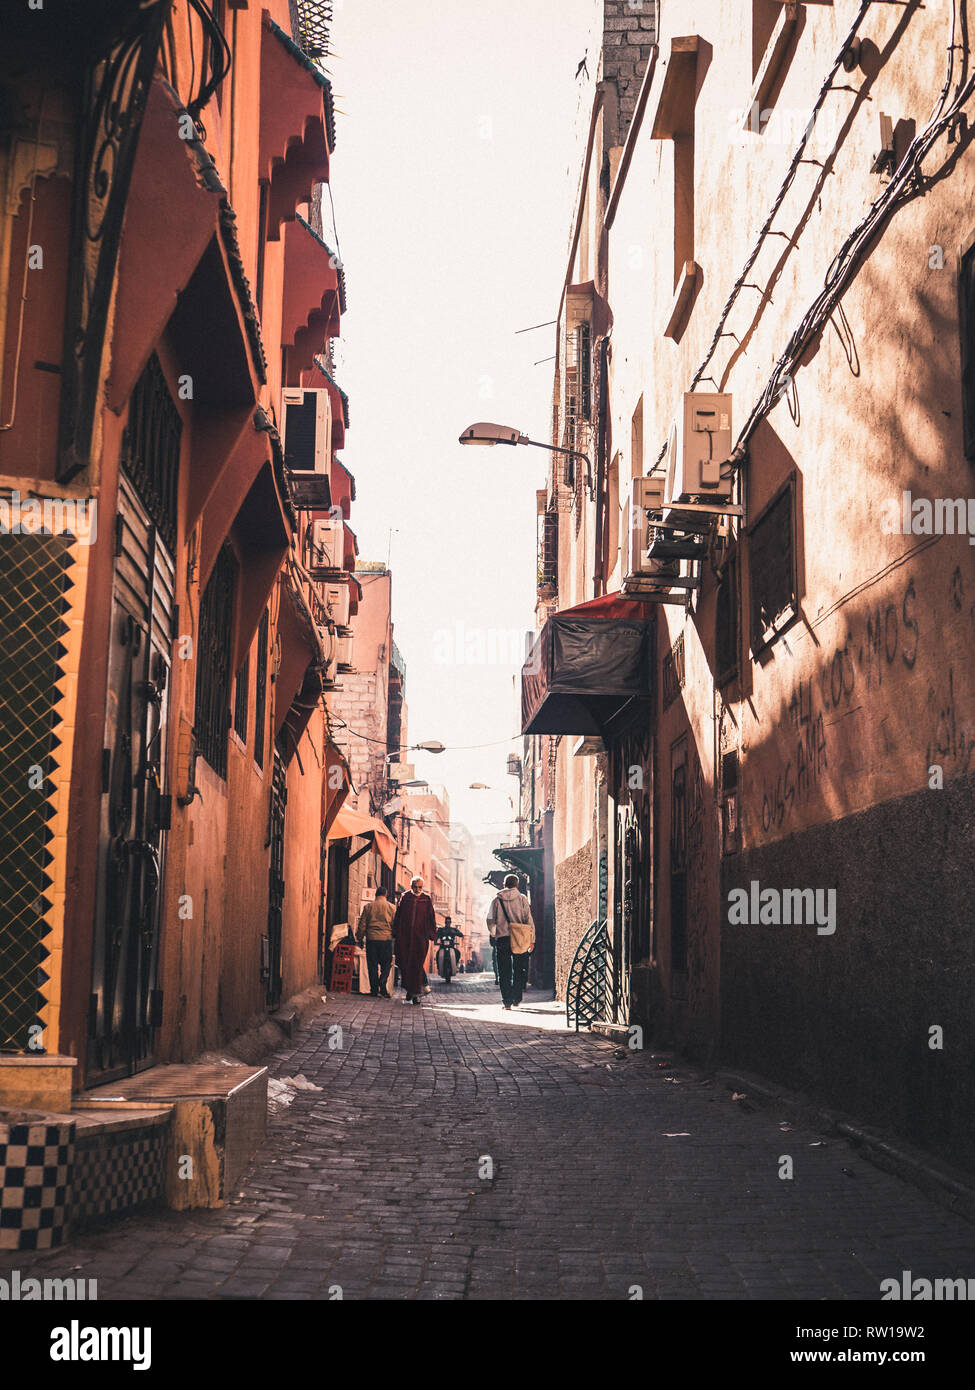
(880, 646)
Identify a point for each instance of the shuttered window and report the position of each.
(214, 661)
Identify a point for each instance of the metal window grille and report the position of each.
(260, 690)
(673, 672)
(33, 581)
(240, 700)
(548, 549)
(150, 449)
(311, 26)
(772, 569)
(213, 661)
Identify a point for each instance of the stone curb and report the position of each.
(949, 1187)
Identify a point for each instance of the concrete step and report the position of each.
(219, 1120)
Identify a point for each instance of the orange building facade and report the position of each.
(169, 301)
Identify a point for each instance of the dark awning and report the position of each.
(586, 674)
(524, 859)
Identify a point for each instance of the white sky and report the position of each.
(453, 195)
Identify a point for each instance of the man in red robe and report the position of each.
(414, 927)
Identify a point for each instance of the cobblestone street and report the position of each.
(608, 1173)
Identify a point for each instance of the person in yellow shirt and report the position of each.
(376, 928)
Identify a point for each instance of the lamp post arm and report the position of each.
(557, 449)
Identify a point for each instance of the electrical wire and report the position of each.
(905, 182)
(452, 748)
(776, 205)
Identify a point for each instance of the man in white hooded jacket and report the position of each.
(512, 930)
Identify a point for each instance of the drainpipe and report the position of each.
(599, 548)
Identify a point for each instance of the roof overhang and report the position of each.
(180, 267)
(310, 310)
(342, 487)
(318, 375)
(297, 125)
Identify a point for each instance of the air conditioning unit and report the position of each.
(326, 544)
(699, 445)
(306, 429)
(330, 644)
(338, 601)
(344, 642)
(646, 495)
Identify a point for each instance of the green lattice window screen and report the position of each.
(33, 585)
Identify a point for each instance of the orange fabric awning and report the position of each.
(350, 822)
(336, 784)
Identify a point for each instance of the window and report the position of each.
(772, 567)
(672, 682)
(678, 858)
(730, 838)
(150, 448)
(966, 295)
(260, 690)
(614, 508)
(578, 394)
(726, 624)
(548, 552)
(214, 657)
(240, 700)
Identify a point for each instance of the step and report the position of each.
(119, 1160)
(63, 1171)
(219, 1121)
(677, 550)
(40, 1082)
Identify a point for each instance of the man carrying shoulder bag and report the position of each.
(512, 930)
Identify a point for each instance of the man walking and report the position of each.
(414, 927)
(376, 927)
(512, 930)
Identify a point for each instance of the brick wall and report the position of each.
(573, 909)
(629, 33)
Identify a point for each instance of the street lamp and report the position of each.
(486, 435)
(431, 746)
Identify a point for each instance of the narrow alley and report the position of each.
(487, 505)
(614, 1177)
